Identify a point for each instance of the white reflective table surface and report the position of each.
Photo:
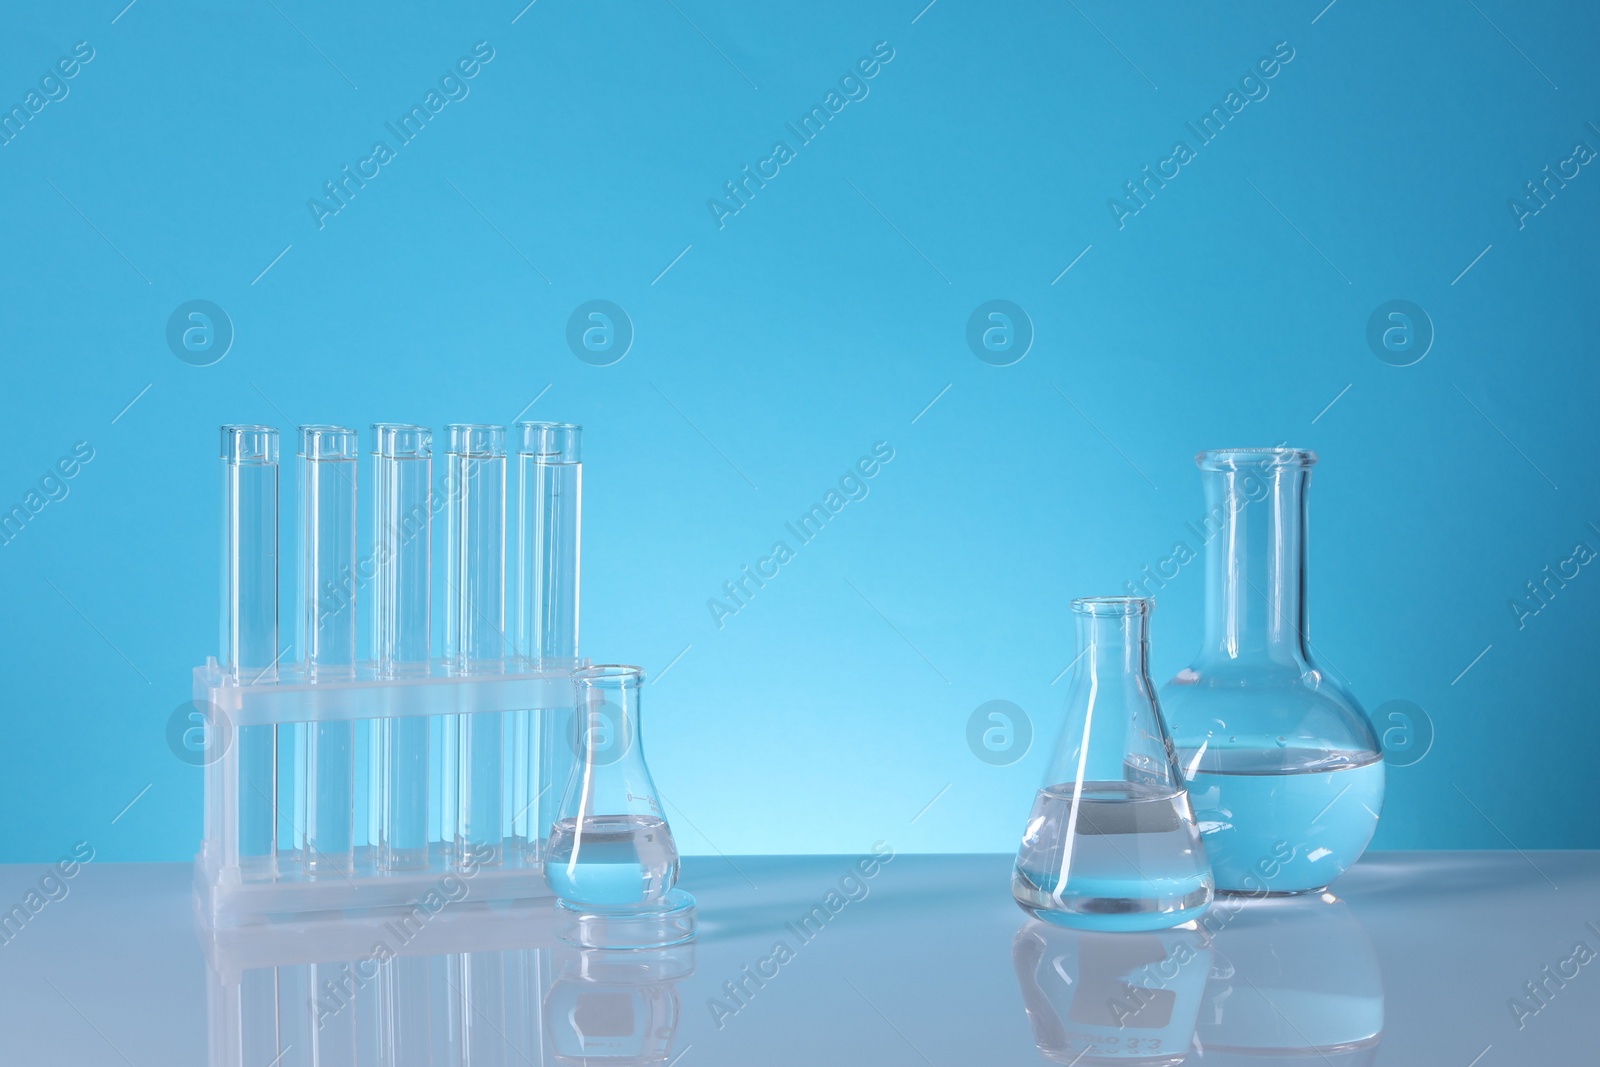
(1455, 959)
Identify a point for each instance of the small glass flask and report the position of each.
(1111, 843)
(611, 861)
(1282, 765)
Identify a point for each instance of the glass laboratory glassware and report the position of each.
(475, 615)
(1283, 766)
(611, 860)
(402, 468)
(549, 524)
(249, 638)
(1099, 998)
(1111, 843)
(325, 751)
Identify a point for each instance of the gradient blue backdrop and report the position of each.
(822, 318)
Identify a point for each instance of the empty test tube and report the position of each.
(402, 466)
(549, 520)
(475, 631)
(249, 637)
(550, 475)
(325, 807)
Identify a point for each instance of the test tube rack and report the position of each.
(278, 885)
(337, 785)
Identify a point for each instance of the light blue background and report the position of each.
(821, 319)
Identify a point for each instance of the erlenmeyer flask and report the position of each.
(1283, 766)
(1111, 843)
(611, 859)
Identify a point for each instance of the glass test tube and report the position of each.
(327, 631)
(475, 549)
(249, 638)
(549, 520)
(402, 461)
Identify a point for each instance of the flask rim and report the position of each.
(1233, 459)
(1113, 605)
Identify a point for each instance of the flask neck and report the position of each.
(610, 776)
(1113, 647)
(1112, 732)
(1256, 564)
(613, 713)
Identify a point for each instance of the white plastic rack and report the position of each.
(531, 705)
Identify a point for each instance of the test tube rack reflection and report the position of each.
(451, 987)
(334, 783)
(448, 983)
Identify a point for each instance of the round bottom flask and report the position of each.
(611, 860)
(1283, 767)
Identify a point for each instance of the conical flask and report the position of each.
(612, 861)
(1111, 843)
(1282, 765)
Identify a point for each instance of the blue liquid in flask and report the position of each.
(612, 861)
(1129, 859)
(1284, 820)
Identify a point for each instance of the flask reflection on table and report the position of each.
(1111, 998)
(1294, 980)
(1258, 982)
(615, 1006)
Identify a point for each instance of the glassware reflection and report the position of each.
(1258, 982)
(1111, 998)
(1294, 980)
(615, 1006)
(447, 986)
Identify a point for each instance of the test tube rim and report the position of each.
(237, 432)
(568, 448)
(384, 435)
(458, 440)
(327, 442)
